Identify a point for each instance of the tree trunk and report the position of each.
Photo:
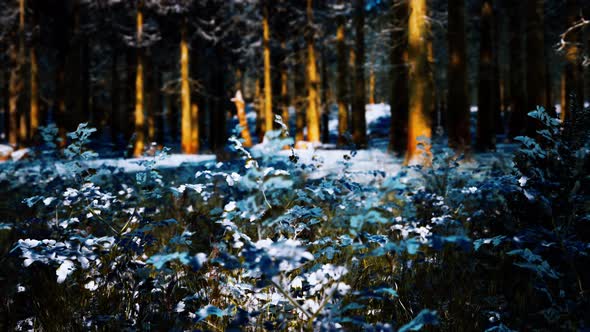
(359, 123)
(326, 106)
(399, 79)
(284, 88)
(35, 115)
(259, 104)
(195, 146)
(16, 88)
(536, 75)
(240, 105)
(218, 101)
(300, 91)
(268, 113)
(185, 96)
(486, 133)
(313, 97)
(115, 116)
(341, 84)
(419, 123)
(518, 109)
(458, 107)
(139, 143)
(574, 84)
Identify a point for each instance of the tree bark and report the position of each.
(458, 100)
(115, 116)
(517, 90)
(139, 143)
(341, 84)
(35, 116)
(486, 134)
(240, 110)
(399, 79)
(313, 97)
(359, 122)
(185, 95)
(419, 124)
(268, 113)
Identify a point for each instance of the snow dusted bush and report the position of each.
(257, 243)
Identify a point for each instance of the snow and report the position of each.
(172, 161)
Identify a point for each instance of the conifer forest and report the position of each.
(295, 165)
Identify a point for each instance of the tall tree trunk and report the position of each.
(486, 133)
(115, 116)
(419, 123)
(458, 107)
(35, 115)
(399, 79)
(326, 104)
(259, 104)
(342, 80)
(138, 147)
(313, 101)
(4, 107)
(301, 88)
(372, 84)
(268, 113)
(240, 110)
(185, 95)
(151, 96)
(158, 109)
(536, 74)
(574, 84)
(284, 87)
(219, 102)
(496, 84)
(16, 88)
(517, 90)
(359, 122)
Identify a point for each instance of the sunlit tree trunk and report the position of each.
(313, 97)
(325, 114)
(35, 115)
(536, 74)
(458, 101)
(517, 100)
(399, 78)
(139, 95)
(185, 96)
(419, 124)
(342, 80)
(486, 133)
(268, 114)
(284, 88)
(195, 146)
(359, 122)
(574, 86)
(151, 96)
(241, 112)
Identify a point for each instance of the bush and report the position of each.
(260, 243)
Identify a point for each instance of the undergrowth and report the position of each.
(260, 243)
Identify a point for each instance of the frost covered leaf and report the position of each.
(425, 317)
(210, 310)
(65, 269)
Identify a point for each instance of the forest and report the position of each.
(294, 165)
